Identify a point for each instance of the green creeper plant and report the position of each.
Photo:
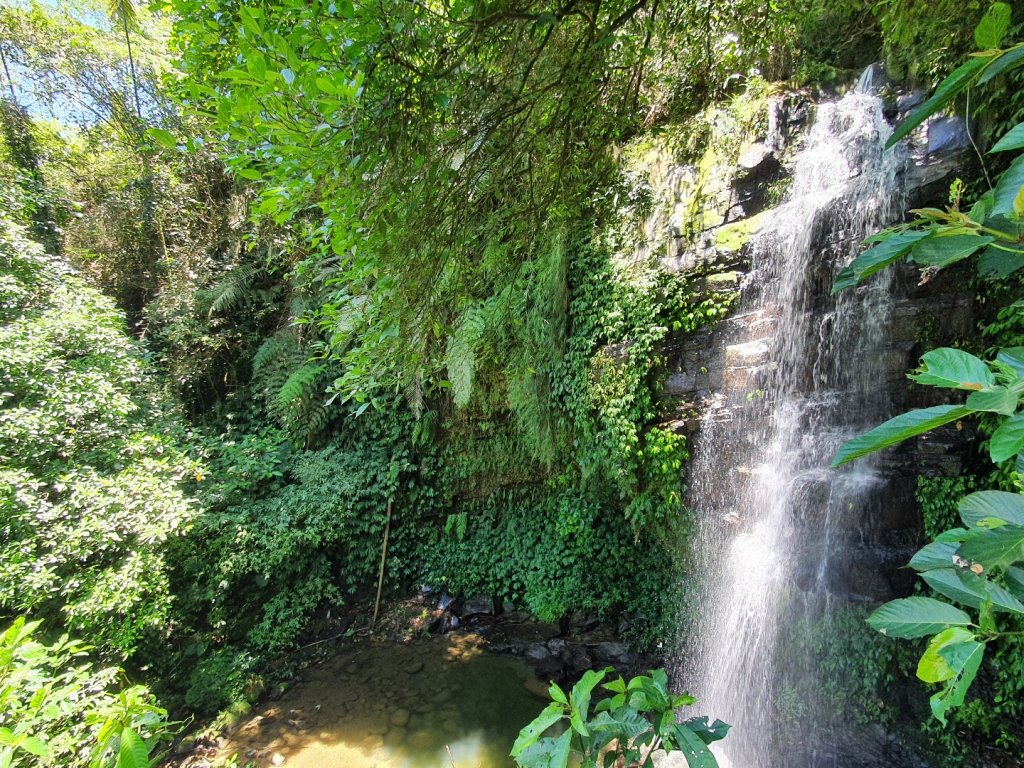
(630, 725)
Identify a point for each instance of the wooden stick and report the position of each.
(380, 575)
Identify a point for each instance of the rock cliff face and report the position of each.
(769, 394)
(735, 200)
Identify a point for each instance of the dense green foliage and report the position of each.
(59, 710)
(90, 489)
(268, 270)
(632, 722)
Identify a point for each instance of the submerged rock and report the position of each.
(399, 717)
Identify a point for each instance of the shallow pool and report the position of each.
(438, 703)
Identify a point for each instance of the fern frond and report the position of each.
(281, 347)
(236, 289)
(297, 386)
(462, 353)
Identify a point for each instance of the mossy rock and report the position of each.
(721, 280)
(733, 237)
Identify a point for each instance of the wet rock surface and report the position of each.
(720, 380)
(561, 652)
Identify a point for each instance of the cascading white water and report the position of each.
(772, 515)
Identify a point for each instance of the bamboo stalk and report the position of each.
(380, 574)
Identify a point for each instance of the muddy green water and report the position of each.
(438, 703)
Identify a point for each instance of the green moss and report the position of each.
(721, 280)
(732, 237)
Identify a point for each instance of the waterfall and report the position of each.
(802, 376)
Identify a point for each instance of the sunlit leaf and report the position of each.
(965, 660)
(954, 368)
(162, 137)
(993, 25)
(133, 752)
(933, 668)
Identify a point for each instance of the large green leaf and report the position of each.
(709, 734)
(965, 658)
(932, 667)
(529, 735)
(1014, 577)
(916, 617)
(1008, 60)
(646, 694)
(943, 251)
(972, 590)
(162, 137)
(946, 581)
(994, 547)
(1013, 139)
(1008, 187)
(946, 91)
(891, 249)
(133, 752)
(978, 507)
(997, 263)
(624, 721)
(954, 368)
(693, 748)
(993, 25)
(579, 698)
(36, 746)
(938, 554)
(898, 429)
(557, 694)
(1008, 439)
(547, 753)
(1000, 599)
(1012, 357)
(998, 399)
